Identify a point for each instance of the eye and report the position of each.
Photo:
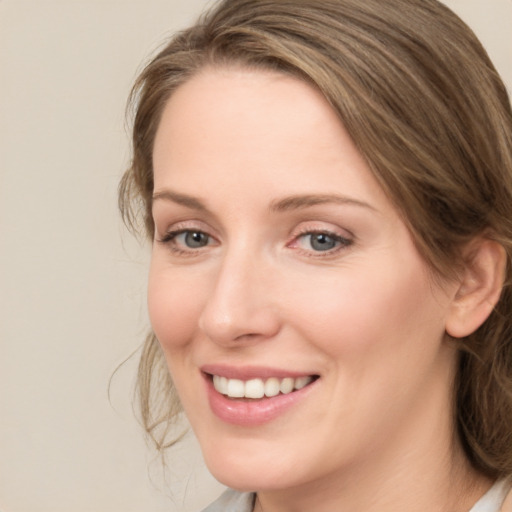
(186, 240)
(192, 239)
(321, 241)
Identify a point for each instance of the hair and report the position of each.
(424, 105)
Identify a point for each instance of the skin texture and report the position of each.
(365, 316)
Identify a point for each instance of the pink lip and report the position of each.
(250, 372)
(251, 413)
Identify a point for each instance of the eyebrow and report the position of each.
(296, 202)
(183, 199)
(306, 201)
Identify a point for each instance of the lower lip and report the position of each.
(249, 413)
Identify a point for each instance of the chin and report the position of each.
(249, 479)
(255, 468)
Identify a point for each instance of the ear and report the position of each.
(479, 287)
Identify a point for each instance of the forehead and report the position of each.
(262, 102)
(232, 131)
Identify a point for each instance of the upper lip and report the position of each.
(251, 372)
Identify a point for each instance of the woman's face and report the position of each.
(279, 266)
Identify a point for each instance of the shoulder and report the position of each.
(232, 501)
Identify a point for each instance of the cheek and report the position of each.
(174, 308)
(370, 310)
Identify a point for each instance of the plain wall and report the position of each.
(72, 281)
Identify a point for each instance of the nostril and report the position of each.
(248, 336)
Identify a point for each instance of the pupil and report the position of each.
(196, 239)
(322, 242)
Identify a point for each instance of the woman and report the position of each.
(328, 188)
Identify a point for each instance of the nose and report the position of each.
(240, 308)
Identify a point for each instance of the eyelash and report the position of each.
(169, 239)
(341, 242)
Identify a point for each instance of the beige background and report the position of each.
(72, 282)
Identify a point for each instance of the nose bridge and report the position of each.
(239, 307)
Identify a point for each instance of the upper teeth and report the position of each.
(258, 388)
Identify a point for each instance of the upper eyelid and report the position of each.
(174, 232)
(182, 225)
(336, 236)
(332, 234)
(321, 227)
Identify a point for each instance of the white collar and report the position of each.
(493, 499)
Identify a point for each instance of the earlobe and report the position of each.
(479, 287)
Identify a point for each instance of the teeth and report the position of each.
(221, 384)
(302, 382)
(236, 388)
(254, 388)
(287, 385)
(272, 387)
(258, 388)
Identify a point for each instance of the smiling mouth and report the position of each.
(260, 388)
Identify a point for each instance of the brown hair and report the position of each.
(423, 103)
